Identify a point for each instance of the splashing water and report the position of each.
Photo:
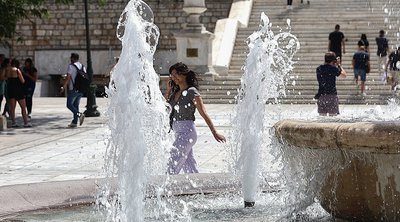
(138, 119)
(268, 63)
(391, 14)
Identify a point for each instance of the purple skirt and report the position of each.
(182, 150)
(328, 104)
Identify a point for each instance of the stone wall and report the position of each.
(64, 29)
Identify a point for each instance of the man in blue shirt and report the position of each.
(361, 67)
(328, 102)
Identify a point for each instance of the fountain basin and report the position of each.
(366, 185)
(16, 199)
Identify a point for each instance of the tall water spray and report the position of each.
(138, 120)
(267, 64)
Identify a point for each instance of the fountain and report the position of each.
(349, 169)
(137, 114)
(268, 63)
(135, 151)
(138, 147)
(364, 184)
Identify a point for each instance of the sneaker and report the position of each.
(72, 125)
(27, 125)
(14, 125)
(29, 116)
(81, 119)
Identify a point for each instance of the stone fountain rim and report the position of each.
(22, 198)
(364, 136)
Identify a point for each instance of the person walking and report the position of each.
(364, 42)
(382, 51)
(2, 79)
(289, 4)
(3, 82)
(336, 42)
(184, 98)
(15, 81)
(392, 64)
(73, 95)
(30, 76)
(328, 101)
(361, 67)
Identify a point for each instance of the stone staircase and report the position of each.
(312, 23)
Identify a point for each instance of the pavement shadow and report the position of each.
(39, 124)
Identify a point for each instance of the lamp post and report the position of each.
(91, 107)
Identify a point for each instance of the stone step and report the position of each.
(354, 16)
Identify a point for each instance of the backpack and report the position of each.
(82, 81)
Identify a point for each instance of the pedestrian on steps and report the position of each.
(336, 42)
(289, 4)
(361, 67)
(382, 51)
(393, 65)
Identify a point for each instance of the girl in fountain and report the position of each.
(183, 96)
(328, 102)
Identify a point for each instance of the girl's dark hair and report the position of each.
(29, 61)
(363, 36)
(182, 69)
(5, 62)
(15, 63)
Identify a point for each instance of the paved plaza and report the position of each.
(50, 151)
(67, 161)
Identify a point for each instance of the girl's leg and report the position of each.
(11, 110)
(28, 100)
(190, 165)
(182, 152)
(22, 104)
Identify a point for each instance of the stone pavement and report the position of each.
(50, 151)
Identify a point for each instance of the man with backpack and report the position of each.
(74, 94)
(361, 66)
(393, 65)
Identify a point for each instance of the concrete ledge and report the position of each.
(29, 197)
(49, 195)
(225, 34)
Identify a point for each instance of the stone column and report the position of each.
(194, 42)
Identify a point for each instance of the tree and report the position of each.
(12, 11)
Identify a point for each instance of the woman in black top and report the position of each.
(15, 91)
(30, 76)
